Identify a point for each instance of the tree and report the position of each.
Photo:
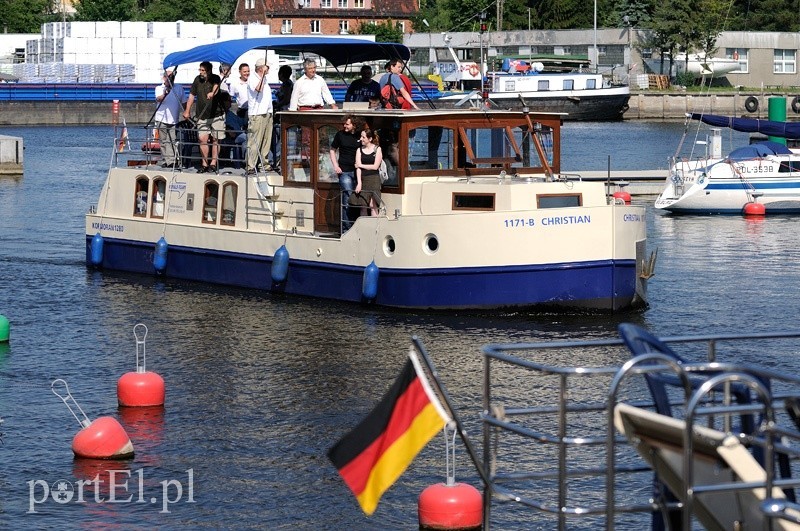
(25, 16)
(386, 31)
(103, 10)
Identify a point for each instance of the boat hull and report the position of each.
(593, 285)
(598, 107)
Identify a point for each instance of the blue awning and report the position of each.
(752, 125)
(337, 51)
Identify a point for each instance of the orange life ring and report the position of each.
(473, 70)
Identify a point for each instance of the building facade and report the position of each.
(324, 17)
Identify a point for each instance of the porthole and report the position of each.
(431, 243)
(388, 246)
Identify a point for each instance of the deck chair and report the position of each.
(639, 341)
(717, 459)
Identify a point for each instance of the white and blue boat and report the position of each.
(475, 213)
(765, 173)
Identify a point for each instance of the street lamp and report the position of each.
(431, 54)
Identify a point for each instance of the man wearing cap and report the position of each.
(310, 91)
(170, 100)
(259, 118)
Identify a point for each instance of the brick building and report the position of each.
(324, 17)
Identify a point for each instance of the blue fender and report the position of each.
(369, 285)
(97, 250)
(160, 255)
(280, 265)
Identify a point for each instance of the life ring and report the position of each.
(751, 104)
(796, 104)
(473, 70)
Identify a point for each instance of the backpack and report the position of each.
(390, 97)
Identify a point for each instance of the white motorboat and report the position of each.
(475, 214)
(697, 65)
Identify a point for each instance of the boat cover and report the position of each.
(337, 51)
(758, 150)
(751, 125)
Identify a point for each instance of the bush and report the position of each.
(685, 79)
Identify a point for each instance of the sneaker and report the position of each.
(202, 169)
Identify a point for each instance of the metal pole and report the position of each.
(595, 38)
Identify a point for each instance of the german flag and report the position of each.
(373, 455)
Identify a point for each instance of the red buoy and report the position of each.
(140, 389)
(451, 507)
(622, 196)
(105, 438)
(755, 209)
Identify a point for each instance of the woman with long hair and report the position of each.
(368, 183)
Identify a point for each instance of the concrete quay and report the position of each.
(11, 155)
(637, 182)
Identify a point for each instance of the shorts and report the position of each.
(214, 126)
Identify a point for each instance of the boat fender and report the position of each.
(751, 104)
(160, 255)
(280, 264)
(97, 250)
(754, 209)
(796, 104)
(450, 506)
(369, 285)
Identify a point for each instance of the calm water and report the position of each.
(259, 387)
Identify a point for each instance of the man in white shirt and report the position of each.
(170, 104)
(259, 115)
(239, 91)
(310, 91)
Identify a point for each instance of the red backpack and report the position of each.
(390, 96)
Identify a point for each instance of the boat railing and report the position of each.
(141, 146)
(549, 444)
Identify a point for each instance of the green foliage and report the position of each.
(685, 79)
(24, 16)
(386, 31)
(103, 10)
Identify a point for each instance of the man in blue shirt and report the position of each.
(363, 89)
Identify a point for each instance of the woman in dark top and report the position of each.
(368, 182)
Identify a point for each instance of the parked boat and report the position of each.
(765, 173)
(475, 213)
(697, 65)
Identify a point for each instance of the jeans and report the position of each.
(346, 179)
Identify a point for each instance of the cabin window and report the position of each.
(315, 26)
(591, 83)
(558, 200)
(504, 147)
(159, 193)
(543, 85)
(229, 193)
(738, 54)
(471, 201)
(389, 139)
(140, 197)
(210, 200)
(325, 135)
(298, 165)
(784, 62)
(569, 84)
(431, 148)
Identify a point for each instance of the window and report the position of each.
(344, 27)
(325, 135)
(249, 4)
(140, 197)
(591, 83)
(325, 4)
(401, 26)
(543, 85)
(558, 201)
(738, 54)
(430, 148)
(464, 201)
(159, 193)
(210, 199)
(569, 84)
(298, 140)
(784, 62)
(286, 26)
(342, 4)
(315, 25)
(229, 192)
(358, 4)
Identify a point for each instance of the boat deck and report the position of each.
(550, 444)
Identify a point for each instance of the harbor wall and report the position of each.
(643, 106)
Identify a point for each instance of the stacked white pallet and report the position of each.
(85, 73)
(194, 30)
(254, 30)
(226, 32)
(127, 73)
(107, 29)
(69, 73)
(80, 29)
(162, 30)
(133, 29)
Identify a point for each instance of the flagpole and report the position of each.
(473, 454)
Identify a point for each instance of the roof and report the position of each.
(337, 51)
